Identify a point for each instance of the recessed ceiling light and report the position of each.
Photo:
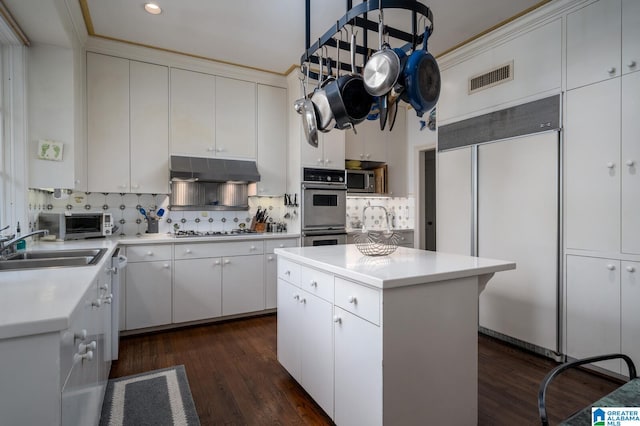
(152, 8)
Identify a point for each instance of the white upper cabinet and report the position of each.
(212, 116)
(592, 167)
(369, 144)
(107, 123)
(536, 56)
(330, 151)
(127, 118)
(192, 113)
(235, 118)
(149, 103)
(630, 164)
(593, 40)
(272, 139)
(630, 36)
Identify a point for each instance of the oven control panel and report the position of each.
(323, 175)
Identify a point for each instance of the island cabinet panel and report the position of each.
(305, 341)
(358, 370)
(271, 269)
(402, 339)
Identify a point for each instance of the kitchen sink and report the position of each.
(52, 259)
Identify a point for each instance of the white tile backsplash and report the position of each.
(401, 212)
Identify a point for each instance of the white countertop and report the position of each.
(406, 266)
(34, 301)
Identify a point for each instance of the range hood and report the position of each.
(213, 169)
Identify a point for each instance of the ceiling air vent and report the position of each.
(496, 76)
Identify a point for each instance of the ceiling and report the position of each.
(267, 35)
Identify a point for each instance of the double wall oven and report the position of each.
(324, 199)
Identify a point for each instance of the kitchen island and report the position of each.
(383, 340)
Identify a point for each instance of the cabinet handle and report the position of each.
(337, 319)
(166, 266)
(362, 156)
(611, 267)
(81, 335)
(252, 248)
(612, 70)
(296, 296)
(281, 245)
(122, 186)
(269, 258)
(80, 357)
(631, 269)
(221, 149)
(149, 253)
(610, 165)
(352, 299)
(104, 287)
(287, 272)
(210, 149)
(314, 283)
(217, 262)
(84, 347)
(327, 161)
(135, 186)
(630, 163)
(188, 251)
(631, 64)
(303, 300)
(96, 303)
(368, 156)
(227, 261)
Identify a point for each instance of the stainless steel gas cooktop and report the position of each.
(191, 233)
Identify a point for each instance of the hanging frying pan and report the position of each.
(383, 68)
(422, 79)
(305, 107)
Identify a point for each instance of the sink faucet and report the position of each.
(7, 244)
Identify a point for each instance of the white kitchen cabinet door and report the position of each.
(333, 143)
(149, 145)
(358, 371)
(148, 294)
(369, 144)
(593, 40)
(272, 140)
(289, 327)
(453, 229)
(192, 113)
(235, 118)
(630, 36)
(197, 289)
(396, 143)
(316, 350)
(242, 284)
(593, 308)
(630, 165)
(107, 123)
(518, 220)
(270, 281)
(592, 167)
(630, 297)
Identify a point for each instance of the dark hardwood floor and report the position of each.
(235, 377)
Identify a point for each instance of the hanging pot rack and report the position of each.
(353, 18)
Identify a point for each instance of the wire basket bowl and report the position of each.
(376, 243)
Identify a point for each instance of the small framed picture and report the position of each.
(50, 150)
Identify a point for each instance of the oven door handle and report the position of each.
(330, 186)
(323, 232)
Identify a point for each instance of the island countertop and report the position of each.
(404, 267)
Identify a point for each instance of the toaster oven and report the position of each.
(77, 226)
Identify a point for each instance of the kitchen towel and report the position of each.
(158, 397)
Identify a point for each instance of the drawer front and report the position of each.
(200, 250)
(289, 271)
(317, 282)
(149, 253)
(406, 238)
(270, 245)
(358, 299)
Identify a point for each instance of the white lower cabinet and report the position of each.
(358, 370)
(242, 284)
(148, 286)
(593, 308)
(305, 341)
(197, 289)
(630, 297)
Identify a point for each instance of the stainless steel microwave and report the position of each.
(362, 181)
(77, 226)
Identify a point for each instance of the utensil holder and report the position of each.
(152, 226)
(261, 227)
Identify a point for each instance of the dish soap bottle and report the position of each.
(22, 244)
